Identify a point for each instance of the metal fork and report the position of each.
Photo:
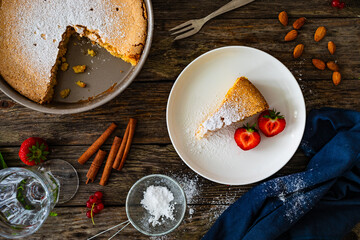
(193, 26)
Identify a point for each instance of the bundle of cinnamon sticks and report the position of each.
(117, 156)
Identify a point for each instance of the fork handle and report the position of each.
(227, 7)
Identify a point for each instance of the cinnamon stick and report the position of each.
(132, 125)
(97, 144)
(95, 165)
(120, 153)
(110, 160)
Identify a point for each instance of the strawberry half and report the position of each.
(271, 123)
(247, 137)
(33, 151)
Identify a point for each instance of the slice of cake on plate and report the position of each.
(243, 100)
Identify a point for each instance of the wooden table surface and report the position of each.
(254, 25)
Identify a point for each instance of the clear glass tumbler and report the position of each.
(28, 195)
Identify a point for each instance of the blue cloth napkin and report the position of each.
(323, 202)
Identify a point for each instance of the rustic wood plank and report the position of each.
(144, 101)
(71, 223)
(264, 34)
(255, 25)
(150, 159)
(258, 9)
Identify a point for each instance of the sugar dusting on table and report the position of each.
(193, 187)
(157, 201)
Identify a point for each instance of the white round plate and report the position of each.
(199, 90)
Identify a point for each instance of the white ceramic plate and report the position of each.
(199, 90)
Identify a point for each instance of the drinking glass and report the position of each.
(28, 195)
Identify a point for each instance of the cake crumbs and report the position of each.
(64, 66)
(79, 68)
(81, 84)
(91, 52)
(65, 93)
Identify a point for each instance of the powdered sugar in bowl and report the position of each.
(156, 205)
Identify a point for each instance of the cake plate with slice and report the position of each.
(199, 90)
(106, 76)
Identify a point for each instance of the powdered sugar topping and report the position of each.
(157, 201)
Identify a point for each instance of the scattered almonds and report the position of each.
(319, 34)
(319, 64)
(291, 35)
(332, 66)
(283, 18)
(336, 77)
(298, 50)
(299, 23)
(331, 47)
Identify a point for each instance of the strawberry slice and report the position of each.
(247, 137)
(271, 123)
(33, 151)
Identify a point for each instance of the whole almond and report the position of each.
(332, 66)
(336, 77)
(319, 34)
(331, 47)
(291, 35)
(283, 18)
(299, 23)
(319, 64)
(298, 50)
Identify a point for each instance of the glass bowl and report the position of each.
(139, 216)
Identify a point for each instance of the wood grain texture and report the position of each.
(254, 25)
(144, 160)
(264, 34)
(184, 9)
(145, 101)
(71, 223)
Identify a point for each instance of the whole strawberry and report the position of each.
(33, 151)
(247, 137)
(271, 123)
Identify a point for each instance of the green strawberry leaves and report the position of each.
(273, 115)
(2, 162)
(37, 153)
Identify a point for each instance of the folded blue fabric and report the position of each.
(323, 202)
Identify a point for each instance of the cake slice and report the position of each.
(243, 100)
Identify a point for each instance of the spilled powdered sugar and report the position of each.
(190, 184)
(193, 188)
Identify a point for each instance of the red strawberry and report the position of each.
(33, 151)
(271, 123)
(247, 137)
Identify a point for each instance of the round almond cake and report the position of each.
(34, 36)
